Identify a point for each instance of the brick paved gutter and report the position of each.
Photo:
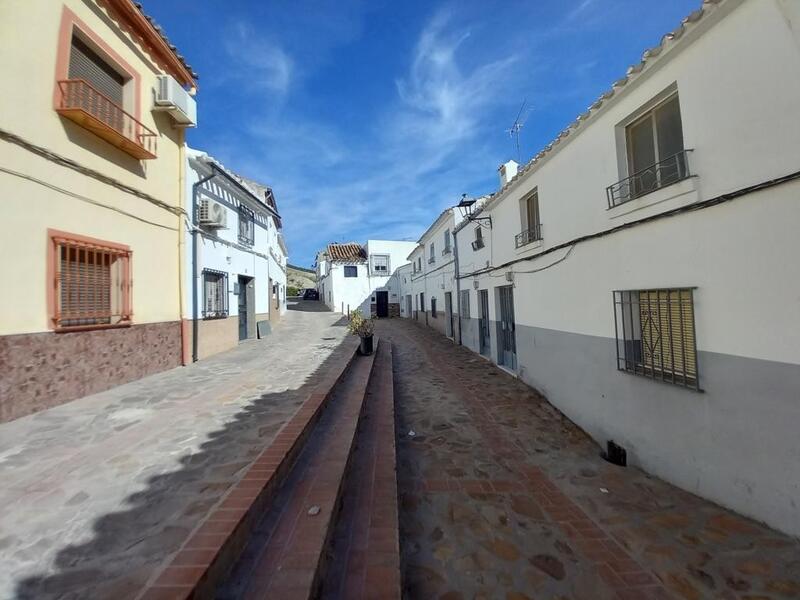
(216, 543)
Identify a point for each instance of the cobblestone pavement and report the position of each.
(502, 497)
(97, 492)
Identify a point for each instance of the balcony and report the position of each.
(446, 251)
(528, 236)
(668, 171)
(91, 109)
(431, 260)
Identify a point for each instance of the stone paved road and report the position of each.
(95, 493)
(503, 497)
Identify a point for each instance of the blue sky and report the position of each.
(368, 118)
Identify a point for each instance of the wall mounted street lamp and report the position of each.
(467, 209)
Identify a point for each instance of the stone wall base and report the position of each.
(42, 370)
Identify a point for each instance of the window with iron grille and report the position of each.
(656, 335)
(247, 229)
(655, 153)
(351, 271)
(477, 243)
(380, 264)
(433, 307)
(92, 282)
(465, 304)
(215, 294)
(446, 242)
(529, 218)
(432, 256)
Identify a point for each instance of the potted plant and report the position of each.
(363, 328)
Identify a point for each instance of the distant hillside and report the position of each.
(300, 277)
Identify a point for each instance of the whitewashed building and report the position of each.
(430, 291)
(236, 258)
(641, 271)
(351, 276)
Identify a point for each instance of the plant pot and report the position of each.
(366, 346)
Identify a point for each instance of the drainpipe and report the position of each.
(195, 325)
(458, 282)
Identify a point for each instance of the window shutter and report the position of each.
(85, 64)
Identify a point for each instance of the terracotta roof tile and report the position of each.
(346, 252)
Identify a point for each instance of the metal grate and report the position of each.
(655, 334)
(92, 284)
(215, 294)
(666, 172)
(528, 236)
(247, 229)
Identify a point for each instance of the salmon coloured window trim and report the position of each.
(90, 284)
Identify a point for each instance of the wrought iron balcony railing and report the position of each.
(666, 172)
(90, 108)
(528, 236)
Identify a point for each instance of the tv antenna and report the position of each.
(522, 116)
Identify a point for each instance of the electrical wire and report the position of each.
(83, 198)
(721, 199)
(71, 164)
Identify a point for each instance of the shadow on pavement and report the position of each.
(128, 547)
(306, 305)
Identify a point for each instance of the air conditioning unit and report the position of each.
(172, 98)
(477, 244)
(212, 214)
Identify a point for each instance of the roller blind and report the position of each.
(84, 63)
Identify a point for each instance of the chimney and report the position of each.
(508, 171)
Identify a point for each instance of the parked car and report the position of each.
(310, 294)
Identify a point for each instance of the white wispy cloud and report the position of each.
(414, 156)
(260, 62)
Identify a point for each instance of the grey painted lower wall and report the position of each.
(737, 443)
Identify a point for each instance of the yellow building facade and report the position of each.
(91, 182)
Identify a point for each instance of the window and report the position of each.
(432, 254)
(433, 307)
(86, 64)
(92, 282)
(446, 242)
(529, 217)
(215, 294)
(656, 336)
(465, 304)
(655, 154)
(419, 264)
(380, 264)
(247, 230)
(477, 243)
(350, 271)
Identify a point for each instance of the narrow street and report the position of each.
(503, 497)
(97, 492)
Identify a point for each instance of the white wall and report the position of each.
(733, 443)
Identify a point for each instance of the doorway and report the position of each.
(246, 307)
(483, 321)
(422, 306)
(408, 305)
(507, 348)
(448, 314)
(382, 301)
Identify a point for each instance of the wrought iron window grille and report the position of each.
(655, 335)
(671, 170)
(528, 236)
(215, 294)
(247, 229)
